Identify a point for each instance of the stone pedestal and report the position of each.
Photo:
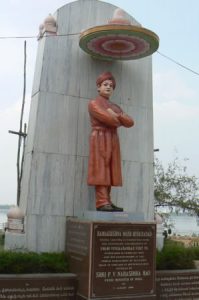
(113, 260)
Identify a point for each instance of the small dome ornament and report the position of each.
(50, 21)
(119, 18)
(15, 221)
(49, 26)
(118, 40)
(15, 213)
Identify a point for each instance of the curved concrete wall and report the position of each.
(54, 180)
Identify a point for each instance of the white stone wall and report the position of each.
(54, 179)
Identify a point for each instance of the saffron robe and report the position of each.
(104, 167)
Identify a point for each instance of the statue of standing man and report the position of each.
(104, 168)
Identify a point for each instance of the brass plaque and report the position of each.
(123, 259)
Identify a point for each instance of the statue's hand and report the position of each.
(112, 112)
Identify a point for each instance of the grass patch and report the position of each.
(31, 262)
(195, 252)
(1, 241)
(174, 256)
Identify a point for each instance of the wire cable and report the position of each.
(36, 37)
(70, 34)
(177, 63)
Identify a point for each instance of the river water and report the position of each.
(3, 217)
(184, 224)
(181, 224)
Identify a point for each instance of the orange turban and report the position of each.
(105, 76)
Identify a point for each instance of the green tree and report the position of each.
(174, 188)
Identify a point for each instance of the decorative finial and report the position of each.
(50, 21)
(15, 221)
(49, 26)
(119, 18)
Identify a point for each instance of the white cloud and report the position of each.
(176, 128)
(171, 86)
(176, 122)
(174, 111)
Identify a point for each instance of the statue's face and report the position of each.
(106, 88)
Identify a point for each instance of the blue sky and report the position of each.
(175, 90)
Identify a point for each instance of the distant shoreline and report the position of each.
(6, 206)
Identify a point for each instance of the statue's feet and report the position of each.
(116, 208)
(106, 207)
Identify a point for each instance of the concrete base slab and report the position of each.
(113, 216)
(15, 241)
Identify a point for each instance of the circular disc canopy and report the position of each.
(118, 42)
